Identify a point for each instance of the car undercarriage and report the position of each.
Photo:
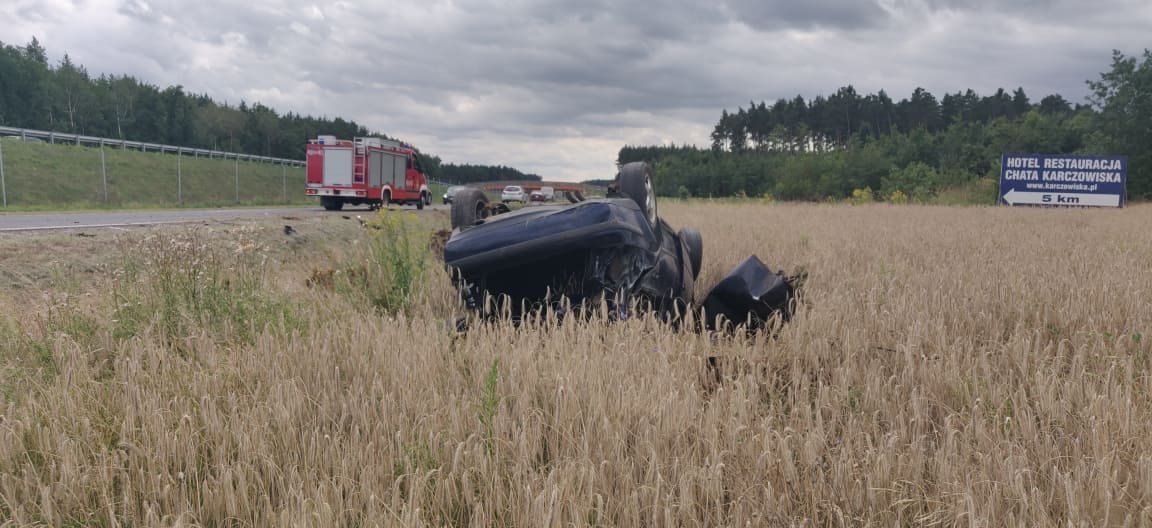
(613, 252)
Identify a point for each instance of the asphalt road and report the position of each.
(44, 221)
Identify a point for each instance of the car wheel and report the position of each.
(385, 199)
(695, 244)
(331, 204)
(468, 206)
(635, 181)
(427, 199)
(420, 203)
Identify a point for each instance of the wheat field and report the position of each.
(946, 367)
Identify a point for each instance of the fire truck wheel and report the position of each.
(427, 198)
(385, 199)
(468, 206)
(420, 204)
(331, 204)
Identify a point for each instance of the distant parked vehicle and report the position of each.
(448, 194)
(544, 194)
(512, 193)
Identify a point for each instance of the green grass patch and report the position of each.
(393, 266)
(983, 191)
(184, 285)
(437, 190)
(44, 175)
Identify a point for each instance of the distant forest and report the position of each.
(926, 148)
(65, 98)
(481, 173)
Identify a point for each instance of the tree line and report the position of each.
(921, 146)
(66, 98)
(467, 173)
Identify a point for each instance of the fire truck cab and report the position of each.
(365, 171)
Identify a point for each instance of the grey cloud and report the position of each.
(210, 21)
(1067, 13)
(1036, 6)
(585, 59)
(521, 83)
(34, 13)
(770, 15)
(614, 20)
(140, 10)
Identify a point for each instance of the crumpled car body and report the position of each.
(612, 251)
(599, 249)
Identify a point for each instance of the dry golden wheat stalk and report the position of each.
(948, 367)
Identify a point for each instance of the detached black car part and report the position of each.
(615, 250)
(750, 294)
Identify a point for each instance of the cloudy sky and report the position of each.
(557, 87)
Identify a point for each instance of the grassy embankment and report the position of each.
(948, 367)
(61, 176)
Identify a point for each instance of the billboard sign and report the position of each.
(1064, 180)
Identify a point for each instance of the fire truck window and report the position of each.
(416, 162)
(409, 162)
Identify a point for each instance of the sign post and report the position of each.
(103, 171)
(1063, 180)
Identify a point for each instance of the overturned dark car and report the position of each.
(615, 252)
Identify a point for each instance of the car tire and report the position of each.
(695, 243)
(331, 204)
(385, 199)
(635, 181)
(427, 198)
(420, 203)
(468, 206)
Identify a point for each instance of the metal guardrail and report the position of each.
(26, 134)
(78, 139)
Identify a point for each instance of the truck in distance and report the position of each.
(365, 171)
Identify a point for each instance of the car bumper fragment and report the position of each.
(750, 294)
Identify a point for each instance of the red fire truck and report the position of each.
(368, 170)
